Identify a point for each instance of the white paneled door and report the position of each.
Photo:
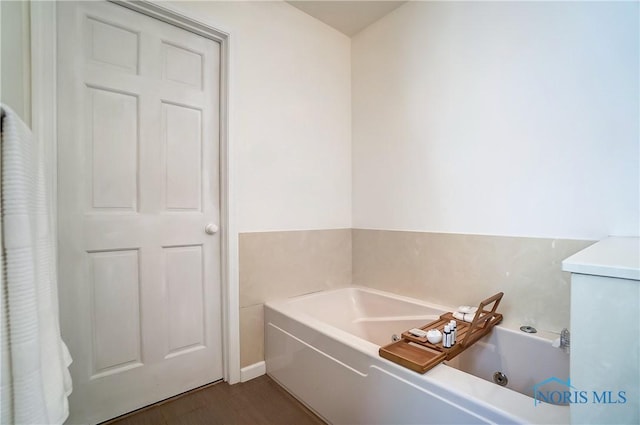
(138, 190)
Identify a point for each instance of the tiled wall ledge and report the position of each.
(275, 265)
(457, 269)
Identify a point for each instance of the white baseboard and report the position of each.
(247, 373)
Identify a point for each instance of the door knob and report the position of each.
(210, 229)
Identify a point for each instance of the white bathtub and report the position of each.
(323, 348)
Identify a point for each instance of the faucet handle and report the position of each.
(565, 340)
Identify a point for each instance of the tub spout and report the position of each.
(564, 342)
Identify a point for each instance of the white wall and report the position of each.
(290, 115)
(15, 69)
(505, 118)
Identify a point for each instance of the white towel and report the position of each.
(35, 380)
(465, 309)
(465, 317)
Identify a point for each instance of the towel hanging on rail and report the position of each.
(35, 380)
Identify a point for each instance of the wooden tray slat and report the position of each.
(412, 356)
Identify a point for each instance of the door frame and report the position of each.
(44, 126)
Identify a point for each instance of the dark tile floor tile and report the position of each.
(202, 416)
(144, 417)
(182, 405)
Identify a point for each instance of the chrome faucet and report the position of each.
(565, 340)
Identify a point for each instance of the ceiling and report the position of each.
(348, 17)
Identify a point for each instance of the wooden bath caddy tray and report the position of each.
(420, 355)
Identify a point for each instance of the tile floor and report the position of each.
(256, 402)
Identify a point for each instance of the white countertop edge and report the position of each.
(617, 257)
